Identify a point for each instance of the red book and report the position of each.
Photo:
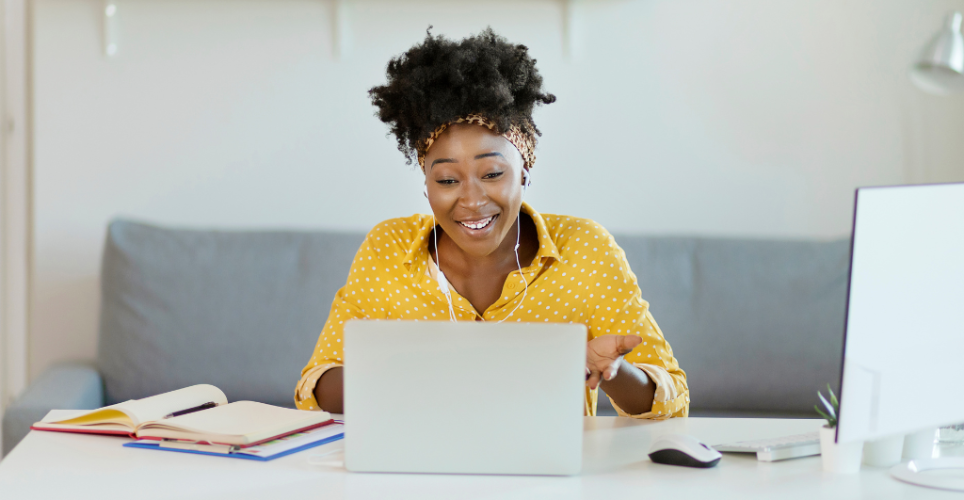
(199, 413)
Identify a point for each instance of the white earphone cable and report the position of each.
(443, 282)
(518, 234)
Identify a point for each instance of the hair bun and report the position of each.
(439, 80)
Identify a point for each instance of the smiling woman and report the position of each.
(463, 111)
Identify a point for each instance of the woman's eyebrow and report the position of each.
(477, 157)
(442, 160)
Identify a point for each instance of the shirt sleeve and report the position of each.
(328, 352)
(619, 309)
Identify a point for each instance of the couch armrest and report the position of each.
(70, 386)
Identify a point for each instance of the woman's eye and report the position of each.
(446, 181)
(493, 175)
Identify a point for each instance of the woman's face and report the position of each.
(474, 181)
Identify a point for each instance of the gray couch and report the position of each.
(757, 325)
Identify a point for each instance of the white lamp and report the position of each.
(940, 69)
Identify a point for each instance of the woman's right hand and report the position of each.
(604, 354)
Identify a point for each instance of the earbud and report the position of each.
(425, 190)
(525, 186)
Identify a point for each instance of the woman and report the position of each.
(463, 111)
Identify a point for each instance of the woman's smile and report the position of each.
(478, 226)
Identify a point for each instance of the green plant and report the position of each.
(832, 407)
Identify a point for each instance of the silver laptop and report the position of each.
(469, 397)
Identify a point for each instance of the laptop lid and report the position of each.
(468, 397)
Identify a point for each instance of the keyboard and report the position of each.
(781, 448)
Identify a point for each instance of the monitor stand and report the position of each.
(916, 472)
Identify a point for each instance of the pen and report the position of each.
(205, 406)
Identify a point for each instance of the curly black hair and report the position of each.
(439, 80)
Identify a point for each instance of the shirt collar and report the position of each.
(547, 247)
(415, 259)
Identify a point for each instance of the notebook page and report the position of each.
(249, 419)
(102, 416)
(94, 428)
(71, 416)
(157, 407)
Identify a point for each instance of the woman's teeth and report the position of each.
(477, 224)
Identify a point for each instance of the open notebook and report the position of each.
(200, 413)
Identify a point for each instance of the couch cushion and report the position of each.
(757, 325)
(240, 310)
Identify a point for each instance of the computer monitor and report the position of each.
(903, 368)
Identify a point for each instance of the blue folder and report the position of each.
(157, 446)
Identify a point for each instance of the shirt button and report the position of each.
(511, 286)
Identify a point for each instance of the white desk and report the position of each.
(56, 465)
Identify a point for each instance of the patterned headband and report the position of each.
(525, 143)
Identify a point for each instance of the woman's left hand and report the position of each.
(603, 356)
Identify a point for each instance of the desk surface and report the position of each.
(615, 464)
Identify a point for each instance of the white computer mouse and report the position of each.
(680, 449)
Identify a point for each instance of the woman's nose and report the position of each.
(473, 195)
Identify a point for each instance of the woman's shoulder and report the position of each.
(563, 228)
(586, 244)
(581, 239)
(400, 230)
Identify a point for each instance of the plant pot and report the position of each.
(839, 458)
(884, 452)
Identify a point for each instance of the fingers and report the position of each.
(594, 379)
(604, 355)
(628, 343)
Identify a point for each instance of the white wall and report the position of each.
(14, 200)
(741, 118)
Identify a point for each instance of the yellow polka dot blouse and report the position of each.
(579, 275)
